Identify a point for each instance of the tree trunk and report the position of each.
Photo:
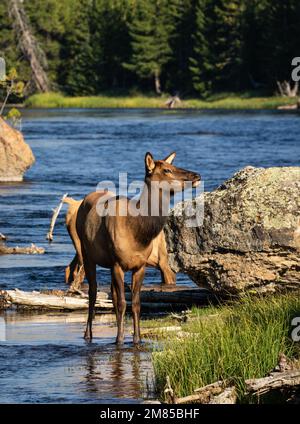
(157, 82)
(29, 45)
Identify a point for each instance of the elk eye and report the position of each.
(167, 171)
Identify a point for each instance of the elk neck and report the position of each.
(153, 205)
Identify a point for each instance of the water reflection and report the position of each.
(122, 371)
(44, 358)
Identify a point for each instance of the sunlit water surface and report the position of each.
(45, 359)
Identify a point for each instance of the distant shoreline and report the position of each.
(57, 100)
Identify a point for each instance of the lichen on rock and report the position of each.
(250, 236)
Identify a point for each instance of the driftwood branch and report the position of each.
(286, 90)
(290, 107)
(276, 380)
(56, 211)
(212, 393)
(51, 301)
(227, 397)
(204, 394)
(172, 101)
(29, 250)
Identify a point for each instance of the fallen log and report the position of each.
(286, 375)
(29, 250)
(203, 394)
(222, 393)
(228, 397)
(276, 380)
(70, 302)
(216, 392)
(156, 307)
(185, 297)
(50, 301)
(73, 300)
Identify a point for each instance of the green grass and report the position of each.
(236, 342)
(221, 101)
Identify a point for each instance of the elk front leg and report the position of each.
(118, 294)
(114, 295)
(90, 271)
(137, 281)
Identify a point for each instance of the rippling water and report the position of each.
(74, 150)
(43, 359)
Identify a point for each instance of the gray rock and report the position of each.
(15, 155)
(250, 236)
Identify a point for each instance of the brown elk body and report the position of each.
(74, 272)
(124, 242)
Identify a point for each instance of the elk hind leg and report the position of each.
(137, 281)
(90, 271)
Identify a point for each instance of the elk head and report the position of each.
(173, 178)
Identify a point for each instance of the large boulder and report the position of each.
(250, 236)
(15, 155)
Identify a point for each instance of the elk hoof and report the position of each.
(88, 336)
(119, 341)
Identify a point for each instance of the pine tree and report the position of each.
(229, 43)
(182, 27)
(149, 33)
(202, 60)
(218, 49)
(77, 72)
(278, 39)
(9, 48)
(111, 41)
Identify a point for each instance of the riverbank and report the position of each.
(233, 342)
(222, 101)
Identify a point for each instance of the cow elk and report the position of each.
(124, 241)
(74, 272)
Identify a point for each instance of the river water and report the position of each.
(43, 358)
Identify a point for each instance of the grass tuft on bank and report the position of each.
(237, 342)
(221, 101)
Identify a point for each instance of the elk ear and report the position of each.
(149, 162)
(169, 159)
